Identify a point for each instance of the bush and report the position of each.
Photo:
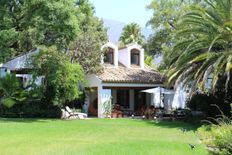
(11, 91)
(218, 138)
(204, 102)
(30, 110)
(220, 96)
(62, 79)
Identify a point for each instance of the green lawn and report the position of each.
(96, 137)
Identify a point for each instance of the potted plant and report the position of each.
(107, 108)
(114, 113)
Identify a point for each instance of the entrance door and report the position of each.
(93, 102)
(123, 98)
(140, 101)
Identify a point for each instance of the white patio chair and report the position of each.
(75, 114)
(65, 114)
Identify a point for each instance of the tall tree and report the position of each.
(166, 13)
(26, 24)
(86, 49)
(204, 46)
(61, 78)
(131, 33)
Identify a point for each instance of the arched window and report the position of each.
(109, 56)
(135, 57)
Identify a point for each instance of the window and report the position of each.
(135, 57)
(109, 56)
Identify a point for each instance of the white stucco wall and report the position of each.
(168, 102)
(141, 54)
(27, 78)
(123, 57)
(115, 48)
(180, 97)
(93, 81)
(4, 71)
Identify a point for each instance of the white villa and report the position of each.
(123, 78)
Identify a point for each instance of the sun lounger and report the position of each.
(75, 114)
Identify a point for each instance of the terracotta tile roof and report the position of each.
(121, 74)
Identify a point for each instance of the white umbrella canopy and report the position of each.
(156, 93)
(158, 90)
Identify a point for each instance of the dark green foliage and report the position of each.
(131, 33)
(35, 109)
(62, 79)
(17, 100)
(203, 48)
(26, 24)
(166, 14)
(86, 48)
(218, 138)
(51, 25)
(11, 91)
(220, 97)
(156, 42)
(149, 59)
(204, 102)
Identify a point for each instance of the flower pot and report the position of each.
(114, 115)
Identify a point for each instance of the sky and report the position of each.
(126, 11)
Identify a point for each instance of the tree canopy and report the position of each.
(27, 24)
(62, 79)
(166, 14)
(131, 33)
(70, 25)
(203, 48)
(86, 48)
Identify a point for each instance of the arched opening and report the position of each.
(109, 55)
(135, 57)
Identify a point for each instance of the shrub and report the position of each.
(30, 110)
(11, 91)
(62, 79)
(220, 96)
(204, 102)
(218, 137)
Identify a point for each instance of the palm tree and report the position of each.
(204, 46)
(131, 33)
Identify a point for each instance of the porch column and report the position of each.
(114, 95)
(99, 102)
(148, 99)
(85, 107)
(104, 99)
(131, 99)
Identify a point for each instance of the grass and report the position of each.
(96, 137)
